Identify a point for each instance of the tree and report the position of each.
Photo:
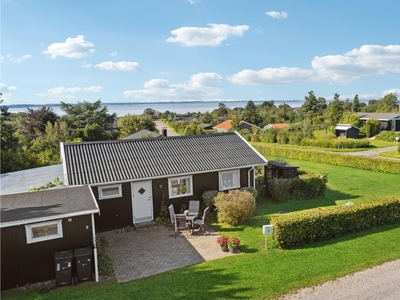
(35, 121)
(222, 110)
(86, 113)
(250, 114)
(334, 111)
(350, 118)
(388, 103)
(372, 127)
(310, 104)
(206, 118)
(149, 112)
(130, 124)
(355, 106)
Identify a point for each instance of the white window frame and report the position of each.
(234, 186)
(103, 187)
(170, 191)
(29, 231)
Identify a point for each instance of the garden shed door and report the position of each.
(142, 201)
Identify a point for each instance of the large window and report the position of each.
(229, 180)
(43, 231)
(110, 191)
(180, 186)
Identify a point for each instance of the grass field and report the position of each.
(257, 273)
(391, 154)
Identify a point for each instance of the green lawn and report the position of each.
(390, 154)
(257, 273)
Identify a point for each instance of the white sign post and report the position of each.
(267, 229)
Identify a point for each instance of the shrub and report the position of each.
(388, 136)
(319, 225)
(372, 127)
(208, 198)
(307, 186)
(251, 190)
(234, 207)
(334, 143)
(105, 263)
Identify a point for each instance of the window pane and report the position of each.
(51, 229)
(180, 186)
(110, 191)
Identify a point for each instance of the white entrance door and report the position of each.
(142, 201)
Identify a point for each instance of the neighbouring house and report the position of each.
(227, 125)
(142, 133)
(275, 126)
(276, 170)
(347, 131)
(132, 179)
(205, 126)
(389, 121)
(35, 225)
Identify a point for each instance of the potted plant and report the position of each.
(233, 245)
(223, 241)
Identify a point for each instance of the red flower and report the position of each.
(223, 240)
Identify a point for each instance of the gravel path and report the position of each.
(378, 283)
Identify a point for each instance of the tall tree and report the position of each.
(388, 103)
(310, 104)
(86, 113)
(250, 113)
(35, 121)
(355, 106)
(222, 110)
(334, 111)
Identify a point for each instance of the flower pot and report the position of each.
(232, 249)
(224, 248)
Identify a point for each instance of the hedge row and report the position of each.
(337, 159)
(305, 228)
(335, 143)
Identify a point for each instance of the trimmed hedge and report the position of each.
(337, 159)
(305, 228)
(335, 143)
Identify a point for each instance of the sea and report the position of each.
(137, 108)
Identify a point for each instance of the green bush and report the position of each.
(359, 162)
(335, 143)
(251, 190)
(304, 228)
(388, 136)
(234, 207)
(208, 198)
(307, 186)
(372, 127)
(105, 263)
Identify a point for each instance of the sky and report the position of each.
(197, 50)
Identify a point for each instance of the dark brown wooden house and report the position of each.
(132, 179)
(35, 225)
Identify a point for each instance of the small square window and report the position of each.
(229, 180)
(180, 186)
(43, 231)
(110, 191)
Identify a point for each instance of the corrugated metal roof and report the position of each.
(379, 116)
(113, 161)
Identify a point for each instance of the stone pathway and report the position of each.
(154, 249)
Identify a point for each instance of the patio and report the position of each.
(154, 249)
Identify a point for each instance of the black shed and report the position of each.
(35, 225)
(347, 131)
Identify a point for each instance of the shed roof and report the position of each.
(345, 127)
(276, 125)
(379, 116)
(141, 133)
(24, 208)
(116, 161)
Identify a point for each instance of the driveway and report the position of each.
(160, 125)
(373, 153)
(154, 249)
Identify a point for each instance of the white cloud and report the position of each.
(203, 36)
(72, 48)
(193, 1)
(200, 86)
(391, 91)
(277, 14)
(369, 60)
(366, 61)
(7, 88)
(63, 90)
(118, 66)
(86, 65)
(272, 76)
(19, 59)
(114, 53)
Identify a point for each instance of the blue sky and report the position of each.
(197, 50)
